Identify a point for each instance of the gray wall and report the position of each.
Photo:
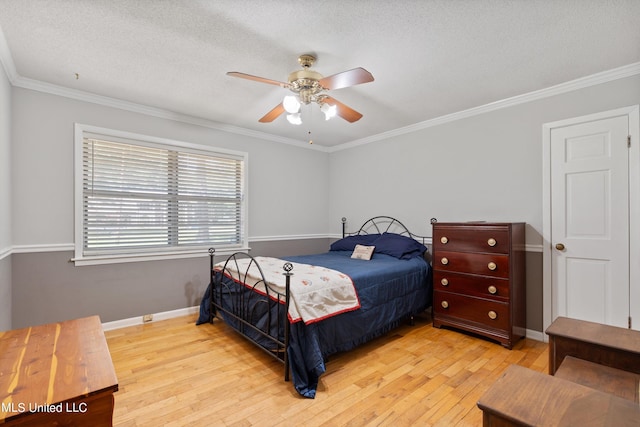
(5, 202)
(43, 169)
(6, 310)
(485, 167)
(46, 287)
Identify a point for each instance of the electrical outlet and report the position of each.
(147, 318)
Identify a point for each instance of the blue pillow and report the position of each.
(401, 247)
(349, 243)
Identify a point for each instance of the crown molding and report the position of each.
(54, 247)
(70, 247)
(22, 249)
(4, 252)
(40, 86)
(17, 80)
(6, 59)
(288, 237)
(583, 82)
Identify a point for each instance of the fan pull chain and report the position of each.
(310, 115)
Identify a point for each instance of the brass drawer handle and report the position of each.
(444, 261)
(492, 289)
(444, 240)
(492, 266)
(444, 304)
(491, 242)
(444, 281)
(492, 315)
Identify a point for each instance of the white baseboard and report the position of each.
(536, 335)
(138, 320)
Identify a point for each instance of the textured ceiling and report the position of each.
(428, 58)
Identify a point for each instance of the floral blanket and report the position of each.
(316, 292)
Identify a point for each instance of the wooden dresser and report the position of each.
(479, 279)
(58, 374)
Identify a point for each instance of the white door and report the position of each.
(589, 167)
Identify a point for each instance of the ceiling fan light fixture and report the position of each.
(310, 86)
(328, 110)
(294, 118)
(291, 104)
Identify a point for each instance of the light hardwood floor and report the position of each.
(173, 373)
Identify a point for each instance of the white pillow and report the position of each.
(363, 252)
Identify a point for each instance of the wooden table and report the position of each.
(59, 374)
(524, 397)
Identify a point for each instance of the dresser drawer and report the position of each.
(492, 314)
(483, 287)
(479, 276)
(485, 264)
(472, 238)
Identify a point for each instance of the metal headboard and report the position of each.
(382, 224)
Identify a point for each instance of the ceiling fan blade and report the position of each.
(347, 113)
(273, 114)
(257, 79)
(346, 78)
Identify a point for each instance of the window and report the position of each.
(139, 197)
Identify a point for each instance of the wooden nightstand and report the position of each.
(479, 279)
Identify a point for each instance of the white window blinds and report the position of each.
(146, 198)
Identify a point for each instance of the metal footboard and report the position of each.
(260, 316)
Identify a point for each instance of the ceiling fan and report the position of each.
(310, 86)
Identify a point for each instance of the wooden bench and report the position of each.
(594, 381)
(603, 378)
(59, 374)
(599, 356)
(602, 344)
(524, 397)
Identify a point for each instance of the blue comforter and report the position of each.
(389, 290)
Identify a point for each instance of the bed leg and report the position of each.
(287, 273)
(212, 308)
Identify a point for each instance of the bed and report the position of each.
(279, 305)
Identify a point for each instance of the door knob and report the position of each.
(560, 246)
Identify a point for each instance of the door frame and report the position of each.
(633, 114)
